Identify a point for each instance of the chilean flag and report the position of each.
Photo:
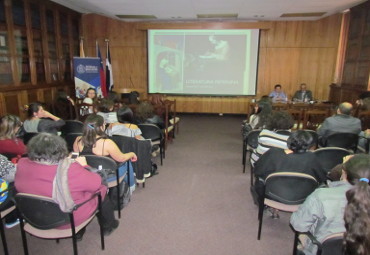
(101, 71)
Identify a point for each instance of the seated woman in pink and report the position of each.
(36, 173)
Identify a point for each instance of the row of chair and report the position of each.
(279, 192)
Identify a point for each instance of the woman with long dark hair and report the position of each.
(262, 112)
(357, 212)
(94, 141)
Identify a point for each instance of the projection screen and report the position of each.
(203, 62)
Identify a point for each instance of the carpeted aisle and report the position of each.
(198, 204)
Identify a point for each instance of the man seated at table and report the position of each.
(303, 95)
(342, 122)
(278, 96)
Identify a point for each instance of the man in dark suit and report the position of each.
(303, 95)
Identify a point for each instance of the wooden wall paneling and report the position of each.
(12, 103)
(2, 104)
(48, 95)
(31, 52)
(290, 53)
(11, 41)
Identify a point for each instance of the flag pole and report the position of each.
(82, 52)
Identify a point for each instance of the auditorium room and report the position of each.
(176, 127)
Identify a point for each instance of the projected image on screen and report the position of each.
(203, 62)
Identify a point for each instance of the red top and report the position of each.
(37, 179)
(12, 146)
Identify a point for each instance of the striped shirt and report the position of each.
(267, 140)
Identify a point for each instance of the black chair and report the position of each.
(142, 148)
(101, 162)
(285, 191)
(4, 212)
(343, 140)
(329, 157)
(72, 126)
(250, 143)
(28, 136)
(42, 216)
(155, 134)
(331, 245)
(70, 138)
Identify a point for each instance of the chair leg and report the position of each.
(252, 175)
(74, 239)
(3, 239)
(295, 244)
(243, 160)
(23, 234)
(118, 191)
(260, 216)
(161, 154)
(100, 225)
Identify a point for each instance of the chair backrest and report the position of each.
(101, 162)
(150, 131)
(70, 138)
(333, 245)
(121, 140)
(252, 138)
(289, 187)
(329, 157)
(28, 136)
(342, 140)
(283, 132)
(40, 212)
(72, 126)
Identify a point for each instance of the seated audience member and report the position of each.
(40, 120)
(145, 115)
(9, 143)
(7, 169)
(64, 106)
(278, 96)
(266, 99)
(297, 158)
(357, 214)
(91, 99)
(259, 118)
(105, 109)
(124, 125)
(116, 98)
(302, 95)
(35, 175)
(363, 101)
(7, 173)
(270, 138)
(95, 142)
(322, 212)
(342, 122)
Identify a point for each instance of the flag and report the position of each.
(82, 52)
(108, 71)
(101, 71)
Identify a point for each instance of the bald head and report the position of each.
(345, 108)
